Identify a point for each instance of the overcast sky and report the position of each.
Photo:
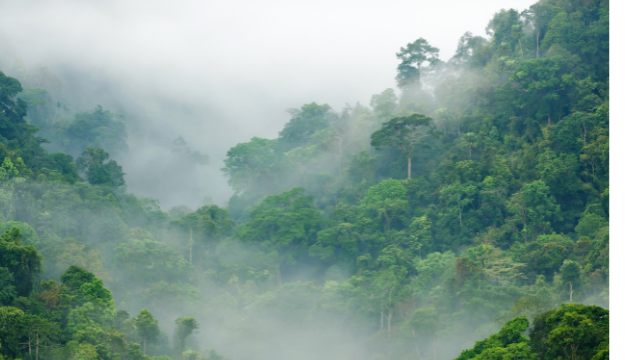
(247, 61)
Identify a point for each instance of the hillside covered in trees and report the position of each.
(463, 216)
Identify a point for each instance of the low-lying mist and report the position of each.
(264, 181)
(215, 74)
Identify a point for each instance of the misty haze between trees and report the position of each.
(463, 217)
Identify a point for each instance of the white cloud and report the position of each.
(247, 61)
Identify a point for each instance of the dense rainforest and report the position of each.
(463, 216)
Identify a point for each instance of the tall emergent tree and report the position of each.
(19, 264)
(412, 58)
(570, 272)
(406, 133)
(208, 223)
(185, 327)
(91, 164)
(147, 327)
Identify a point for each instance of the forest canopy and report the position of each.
(463, 215)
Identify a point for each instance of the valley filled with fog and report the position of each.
(328, 180)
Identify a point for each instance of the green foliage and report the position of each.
(184, 328)
(72, 320)
(13, 127)
(415, 53)
(81, 351)
(27, 233)
(305, 122)
(94, 129)
(20, 150)
(384, 104)
(505, 216)
(589, 224)
(253, 165)
(147, 327)
(191, 355)
(283, 226)
(94, 311)
(75, 277)
(96, 172)
(534, 210)
(208, 224)
(509, 343)
(213, 355)
(570, 271)
(150, 260)
(8, 293)
(406, 133)
(11, 319)
(571, 331)
(22, 262)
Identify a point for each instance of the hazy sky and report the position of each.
(245, 61)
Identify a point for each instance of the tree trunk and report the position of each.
(37, 348)
(521, 46)
(381, 319)
(537, 42)
(571, 294)
(592, 165)
(409, 166)
(525, 232)
(144, 343)
(388, 222)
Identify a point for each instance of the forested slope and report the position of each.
(468, 205)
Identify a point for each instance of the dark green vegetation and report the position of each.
(572, 331)
(476, 198)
